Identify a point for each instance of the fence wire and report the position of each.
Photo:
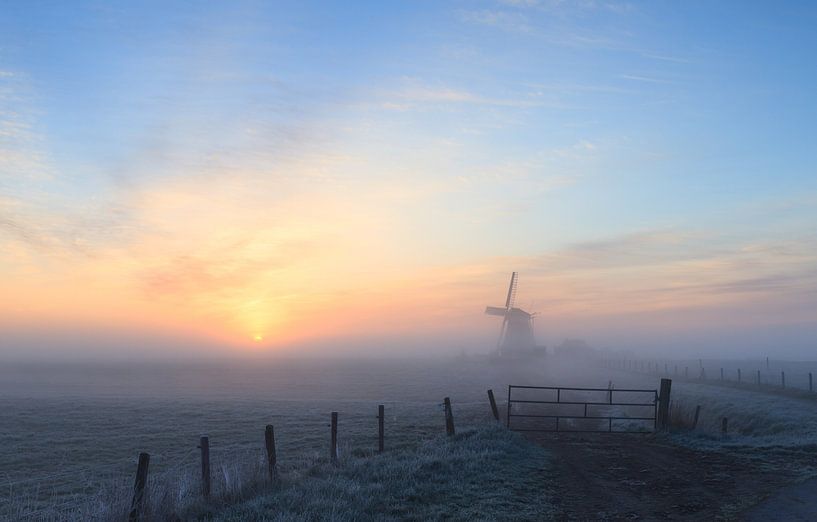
(767, 376)
(300, 439)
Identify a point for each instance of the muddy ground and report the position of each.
(645, 477)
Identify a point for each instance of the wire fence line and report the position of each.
(767, 376)
(69, 490)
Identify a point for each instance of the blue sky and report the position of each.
(445, 136)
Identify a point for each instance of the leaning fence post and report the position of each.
(697, 413)
(663, 403)
(137, 504)
(272, 457)
(494, 410)
(204, 446)
(381, 416)
(449, 417)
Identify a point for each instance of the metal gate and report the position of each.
(581, 410)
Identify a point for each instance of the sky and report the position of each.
(210, 178)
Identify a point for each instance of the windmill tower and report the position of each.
(516, 335)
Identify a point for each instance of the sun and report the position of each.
(258, 338)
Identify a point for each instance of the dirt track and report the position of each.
(636, 477)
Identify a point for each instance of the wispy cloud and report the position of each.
(646, 79)
(673, 268)
(513, 22)
(415, 94)
(665, 58)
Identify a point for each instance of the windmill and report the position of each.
(516, 334)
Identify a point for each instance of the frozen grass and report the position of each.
(68, 444)
(755, 419)
(484, 474)
(68, 449)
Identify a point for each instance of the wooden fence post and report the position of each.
(449, 417)
(721, 373)
(767, 363)
(782, 379)
(138, 502)
(810, 383)
(697, 414)
(333, 449)
(272, 457)
(663, 404)
(738, 375)
(204, 446)
(758, 377)
(494, 409)
(508, 411)
(381, 418)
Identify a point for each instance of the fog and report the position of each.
(667, 334)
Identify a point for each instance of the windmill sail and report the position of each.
(495, 310)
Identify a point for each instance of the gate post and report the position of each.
(508, 412)
(663, 404)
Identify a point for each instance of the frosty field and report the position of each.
(69, 437)
(64, 433)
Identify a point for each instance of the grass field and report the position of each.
(69, 437)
